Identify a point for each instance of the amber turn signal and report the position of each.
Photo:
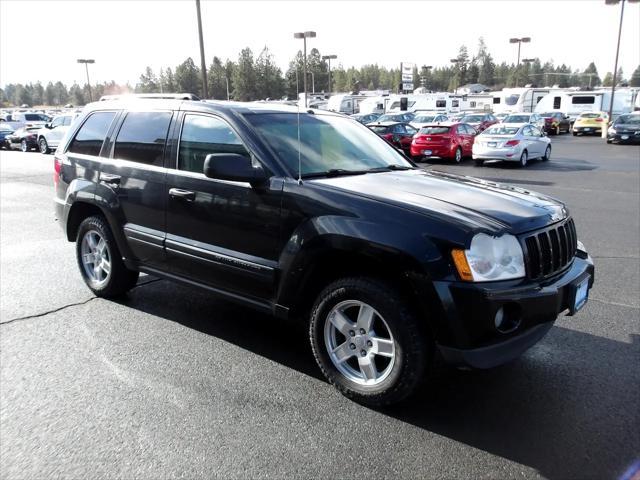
(460, 261)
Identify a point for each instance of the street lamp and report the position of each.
(304, 36)
(328, 58)
(615, 69)
(204, 67)
(86, 61)
(455, 61)
(425, 70)
(519, 41)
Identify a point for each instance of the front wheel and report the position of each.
(44, 147)
(458, 155)
(23, 146)
(547, 154)
(367, 341)
(99, 259)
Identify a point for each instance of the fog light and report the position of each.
(507, 318)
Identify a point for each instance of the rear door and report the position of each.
(135, 175)
(531, 142)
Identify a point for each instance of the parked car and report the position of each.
(522, 118)
(511, 143)
(26, 119)
(590, 122)
(365, 118)
(479, 121)
(501, 116)
(311, 216)
(397, 134)
(423, 118)
(451, 141)
(556, 122)
(50, 135)
(5, 130)
(23, 139)
(404, 117)
(625, 129)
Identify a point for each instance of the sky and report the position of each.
(41, 40)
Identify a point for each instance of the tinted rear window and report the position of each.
(590, 115)
(500, 130)
(142, 137)
(379, 129)
(35, 117)
(517, 119)
(424, 119)
(472, 118)
(434, 130)
(88, 140)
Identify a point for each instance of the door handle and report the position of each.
(110, 179)
(183, 194)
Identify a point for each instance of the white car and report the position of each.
(511, 143)
(427, 118)
(50, 135)
(522, 118)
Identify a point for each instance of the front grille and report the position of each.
(550, 250)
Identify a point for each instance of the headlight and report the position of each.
(490, 258)
(612, 130)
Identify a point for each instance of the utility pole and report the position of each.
(86, 62)
(328, 58)
(304, 36)
(203, 67)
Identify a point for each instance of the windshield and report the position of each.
(472, 119)
(434, 130)
(35, 117)
(547, 115)
(629, 119)
(5, 128)
(517, 119)
(424, 118)
(511, 99)
(327, 142)
(390, 118)
(500, 130)
(590, 115)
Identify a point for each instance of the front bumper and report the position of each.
(587, 129)
(468, 335)
(624, 137)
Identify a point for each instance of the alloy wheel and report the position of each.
(96, 258)
(359, 342)
(23, 146)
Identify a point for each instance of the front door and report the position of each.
(221, 233)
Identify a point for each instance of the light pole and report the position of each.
(329, 58)
(519, 41)
(425, 70)
(455, 61)
(615, 68)
(304, 36)
(313, 82)
(86, 62)
(203, 66)
(528, 61)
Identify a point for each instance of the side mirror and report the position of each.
(48, 125)
(233, 167)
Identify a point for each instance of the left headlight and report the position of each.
(490, 259)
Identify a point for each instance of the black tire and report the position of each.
(608, 141)
(413, 347)
(524, 158)
(457, 157)
(575, 134)
(120, 279)
(478, 162)
(24, 147)
(547, 154)
(43, 146)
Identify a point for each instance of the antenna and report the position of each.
(299, 153)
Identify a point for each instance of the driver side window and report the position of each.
(57, 122)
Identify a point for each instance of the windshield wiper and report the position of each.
(334, 172)
(389, 168)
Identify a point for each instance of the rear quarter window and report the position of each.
(89, 139)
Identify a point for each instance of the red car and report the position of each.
(480, 121)
(397, 134)
(446, 140)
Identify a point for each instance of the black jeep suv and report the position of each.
(311, 215)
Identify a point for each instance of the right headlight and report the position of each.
(612, 130)
(490, 259)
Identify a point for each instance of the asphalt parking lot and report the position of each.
(170, 382)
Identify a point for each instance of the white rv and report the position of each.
(517, 100)
(432, 102)
(374, 104)
(574, 103)
(345, 103)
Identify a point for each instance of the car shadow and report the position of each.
(564, 409)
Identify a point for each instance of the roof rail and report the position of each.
(167, 96)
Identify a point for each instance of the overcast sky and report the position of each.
(41, 40)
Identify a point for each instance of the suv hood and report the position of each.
(476, 203)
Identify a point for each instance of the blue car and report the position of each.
(4, 131)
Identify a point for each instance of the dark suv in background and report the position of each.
(313, 216)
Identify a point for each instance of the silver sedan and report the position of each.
(512, 143)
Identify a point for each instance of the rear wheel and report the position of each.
(524, 158)
(458, 155)
(575, 134)
(23, 146)
(558, 129)
(99, 259)
(367, 341)
(44, 147)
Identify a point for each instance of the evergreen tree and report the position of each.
(148, 82)
(634, 81)
(77, 95)
(269, 81)
(591, 72)
(217, 80)
(608, 80)
(187, 77)
(244, 77)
